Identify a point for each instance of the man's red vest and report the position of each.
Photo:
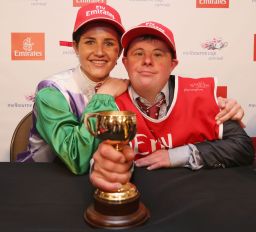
(190, 118)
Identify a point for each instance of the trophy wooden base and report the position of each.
(116, 215)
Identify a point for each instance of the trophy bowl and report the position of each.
(118, 127)
(121, 209)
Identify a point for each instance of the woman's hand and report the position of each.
(114, 87)
(230, 109)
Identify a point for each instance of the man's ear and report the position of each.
(174, 64)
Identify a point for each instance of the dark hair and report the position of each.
(148, 37)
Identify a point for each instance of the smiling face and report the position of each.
(98, 50)
(149, 64)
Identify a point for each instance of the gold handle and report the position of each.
(88, 123)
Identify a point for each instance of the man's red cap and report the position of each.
(149, 28)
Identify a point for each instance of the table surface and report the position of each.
(47, 197)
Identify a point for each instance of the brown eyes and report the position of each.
(155, 54)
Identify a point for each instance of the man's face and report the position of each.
(98, 51)
(149, 64)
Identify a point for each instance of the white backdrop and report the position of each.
(213, 38)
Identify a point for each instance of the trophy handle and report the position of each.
(88, 123)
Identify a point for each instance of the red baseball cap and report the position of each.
(149, 28)
(98, 12)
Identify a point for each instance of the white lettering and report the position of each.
(100, 7)
(213, 2)
(165, 143)
(155, 26)
(142, 142)
(137, 143)
(100, 11)
(27, 53)
(153, 144)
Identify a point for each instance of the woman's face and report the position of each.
(98, 50)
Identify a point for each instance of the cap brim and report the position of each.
(115, 24)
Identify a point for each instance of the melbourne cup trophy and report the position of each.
(121, 209)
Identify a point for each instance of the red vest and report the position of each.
(190, 118)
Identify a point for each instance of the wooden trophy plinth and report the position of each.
(119, 210)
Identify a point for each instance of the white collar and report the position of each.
(165, 91)
(86, 84)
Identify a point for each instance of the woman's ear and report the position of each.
(75, 47)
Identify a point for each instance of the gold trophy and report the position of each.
(121, 209)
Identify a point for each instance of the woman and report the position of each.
(61, 100)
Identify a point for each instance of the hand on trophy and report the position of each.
(111, 168)
(116, 201)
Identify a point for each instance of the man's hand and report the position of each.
(111, 168)
(114, 87)
(156, 160)
(230, 109)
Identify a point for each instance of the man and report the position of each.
(182, 131)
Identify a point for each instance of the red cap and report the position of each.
(98, 12)
(149, 28)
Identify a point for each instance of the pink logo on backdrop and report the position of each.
(30, 97)
(214, 44)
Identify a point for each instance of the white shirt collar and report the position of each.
(88, 82)
(87, 85)
(165, 91)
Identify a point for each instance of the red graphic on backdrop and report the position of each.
(79, 3)
(66, 43)
(212, 3)
(28, 46)
(254, 57)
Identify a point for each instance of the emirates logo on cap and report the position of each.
(28, 46)
(153, 25)
(212, 3)
(99, 10)
(79, 3)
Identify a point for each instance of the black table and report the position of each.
(47, 197)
